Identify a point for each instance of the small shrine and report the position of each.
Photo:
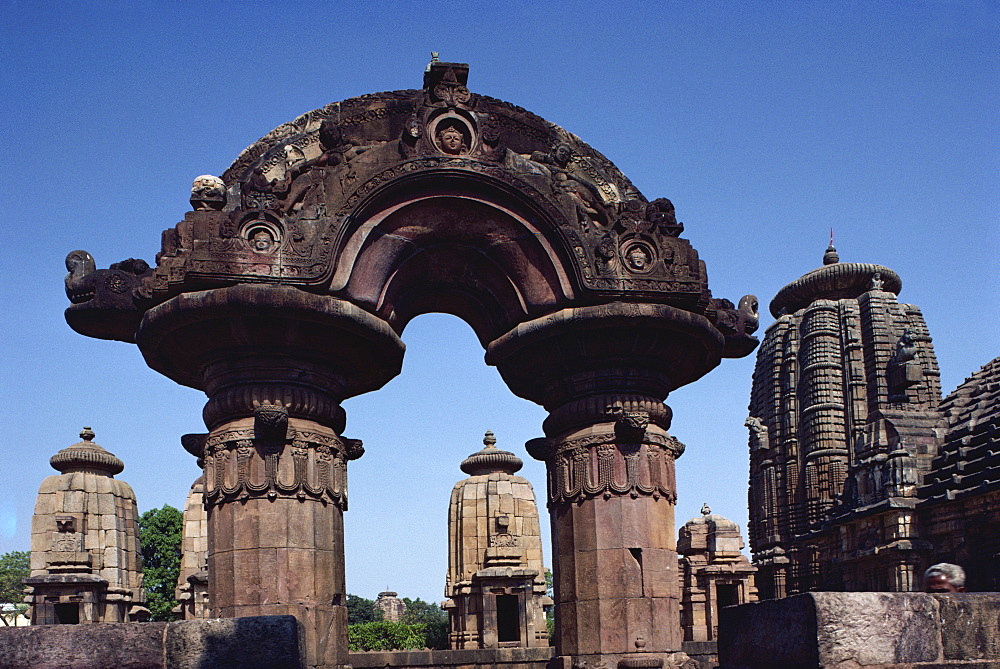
(496, 579)
(85, 559)
(191, 592)
(714, 573)
(391, 606)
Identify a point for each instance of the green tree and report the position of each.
(14, 566)
(385, 635)
(433, 618)
(361, 610)
(160, 533)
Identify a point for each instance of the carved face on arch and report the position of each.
(450, 139)
(638, 258)
(261, 240)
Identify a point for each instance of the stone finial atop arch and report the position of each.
(436, 199)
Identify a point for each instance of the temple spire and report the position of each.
(831, 257)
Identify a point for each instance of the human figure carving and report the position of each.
(903, 369)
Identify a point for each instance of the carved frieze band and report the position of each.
(311, 466)
(598, 466)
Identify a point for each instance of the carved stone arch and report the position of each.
(455, 242)
(284, 293)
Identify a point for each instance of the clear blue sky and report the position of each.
(766, 123)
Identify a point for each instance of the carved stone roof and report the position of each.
(491, 459)
(834, 281)
(86, 455)
(967, 463)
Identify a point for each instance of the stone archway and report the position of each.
(285, 291)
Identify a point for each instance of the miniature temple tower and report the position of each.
(714, 573)
(85, 564)
(191, 592)
(391, 606)
(496, 581)
(843, 425)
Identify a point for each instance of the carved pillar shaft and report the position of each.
(275, 511)
(603, 372)
(275, 363)
(611, 495)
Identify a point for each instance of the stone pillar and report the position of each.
(602, 373)
(275, 363)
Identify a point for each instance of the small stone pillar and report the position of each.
(496, 580)
(714, 573)
(192, 582)
(391, 605)
(85, 565)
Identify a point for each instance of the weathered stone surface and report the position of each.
(851, 630)
(266, 642)
(192, 580)
(110, 646)
(507, 658)
(970, 626)
(860, 476)
(495, 555)
(391, 605)
(238, 643)
(714, 573)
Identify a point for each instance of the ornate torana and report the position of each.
(285, 290)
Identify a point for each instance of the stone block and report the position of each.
(74, 501)
(111, 646)
(831, 629)
(245, 643)
(49, 485)
(970, 626)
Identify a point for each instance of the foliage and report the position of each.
(385, 635)
(361, 610)
(432, 617)
(14, 566)
(160, 534)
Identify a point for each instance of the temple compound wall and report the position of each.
(286, 289)
(85, 558)
(860, 476)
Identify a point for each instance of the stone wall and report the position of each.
(266, 642)
(840, 630)
(500, 658)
